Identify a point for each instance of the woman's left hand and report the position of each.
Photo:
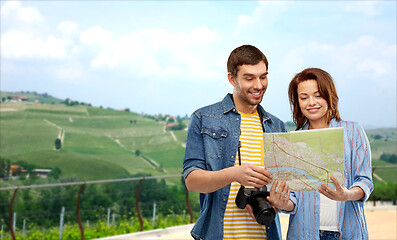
(339, 194)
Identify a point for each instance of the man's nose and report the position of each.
(258, 84)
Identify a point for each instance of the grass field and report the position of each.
(101, 143)
(98, 143)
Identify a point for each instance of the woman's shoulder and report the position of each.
(351, 128)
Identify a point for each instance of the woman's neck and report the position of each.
(317, 125)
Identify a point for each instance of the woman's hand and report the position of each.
(279, 198)
(341, 193)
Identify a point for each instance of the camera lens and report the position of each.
(263, 211)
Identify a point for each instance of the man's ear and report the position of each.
(231, 79)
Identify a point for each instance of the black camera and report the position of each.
(256, 197)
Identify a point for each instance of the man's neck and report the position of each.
(244, 108)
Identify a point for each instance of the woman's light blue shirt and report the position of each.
(304, 220)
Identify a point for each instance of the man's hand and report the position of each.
(252, 175)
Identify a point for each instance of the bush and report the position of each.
(384, 192)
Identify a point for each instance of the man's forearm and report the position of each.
(204, 181)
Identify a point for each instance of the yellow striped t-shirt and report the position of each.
(238, 224)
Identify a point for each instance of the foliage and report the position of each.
(100, 229)
(384, 192)
(41, 207)
(390, 158)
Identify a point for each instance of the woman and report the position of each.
(329, 213)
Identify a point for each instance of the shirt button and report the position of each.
(213, 134)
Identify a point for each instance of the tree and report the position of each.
(390, 158)
(138, 152)
(58, 144)
(378, 136)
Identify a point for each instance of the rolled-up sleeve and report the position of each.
(194, 154)
(362, 162)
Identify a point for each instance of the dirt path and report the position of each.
(61, 133)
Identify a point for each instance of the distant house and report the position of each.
(15, 170)
(169, 125)
(42, 173)
(171, 122)
(15, 98)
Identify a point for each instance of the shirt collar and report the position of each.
(228, 105)
(332, 123)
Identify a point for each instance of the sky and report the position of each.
(169, 57)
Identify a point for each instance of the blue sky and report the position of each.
(170, 57)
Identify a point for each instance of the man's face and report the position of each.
(250, 85)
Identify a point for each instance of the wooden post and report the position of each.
(11, 214)
(188, 205)
(137, 204)
(78, 212)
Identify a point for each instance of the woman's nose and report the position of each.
(312, 100)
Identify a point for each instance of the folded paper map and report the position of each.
(305, 159)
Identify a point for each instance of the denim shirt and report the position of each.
(212, 141)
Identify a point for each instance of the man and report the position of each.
(211, 163)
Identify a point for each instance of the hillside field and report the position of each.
(102, 143)
(97, 143)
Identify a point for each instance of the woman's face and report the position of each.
(312, 105)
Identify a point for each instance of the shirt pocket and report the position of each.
(213, 141)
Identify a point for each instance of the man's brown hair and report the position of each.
(327, 91)
(245, 54)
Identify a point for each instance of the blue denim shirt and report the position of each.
(212, 141)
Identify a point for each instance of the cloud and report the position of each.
(368, 8)
(367, 55)
(25, 45)
(264, 15)
(153, 51)
(23, 36)
(68, 28)
(15, 14)
(147, 52)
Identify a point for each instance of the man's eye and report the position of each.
(249, 79)
(303, 98)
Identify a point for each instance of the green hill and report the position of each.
(96, 143)
(102, 143)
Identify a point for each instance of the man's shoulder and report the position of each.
(217, 109)
(214, 109)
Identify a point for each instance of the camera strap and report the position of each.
(239, 155)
